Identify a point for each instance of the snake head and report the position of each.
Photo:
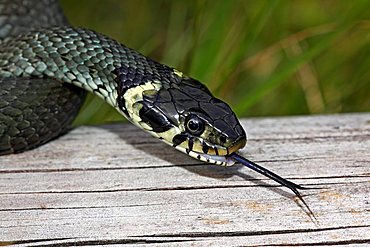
(209, 128)
(209, 132)
(183, 113)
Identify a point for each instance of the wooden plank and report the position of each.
(114, 184)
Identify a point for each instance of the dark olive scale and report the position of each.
(191, 144)
(205, 149)
(178, 139)
(33, 112)
(19, 16)
(157, 121)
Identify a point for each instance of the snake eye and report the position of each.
(195, 125)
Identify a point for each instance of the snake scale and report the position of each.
(33, 111)
(46, 65)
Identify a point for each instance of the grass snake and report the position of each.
(46, 65)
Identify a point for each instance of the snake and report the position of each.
(47, 65)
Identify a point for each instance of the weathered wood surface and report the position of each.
(114, 184)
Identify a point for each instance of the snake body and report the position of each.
(33, 110)
(161, 100)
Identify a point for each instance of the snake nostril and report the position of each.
(222, 139)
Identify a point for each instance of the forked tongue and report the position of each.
(292, 186)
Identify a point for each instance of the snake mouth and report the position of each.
(222, 157)
(222, 160)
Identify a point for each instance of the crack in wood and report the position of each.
(360, 136)
(76, 242)
(250, 233)
(325, 243)
(77, 207)
(193, 187)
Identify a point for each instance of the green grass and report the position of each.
(262, 57)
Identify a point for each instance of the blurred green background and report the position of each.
(264, 58)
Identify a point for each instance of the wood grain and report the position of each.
(114, 184)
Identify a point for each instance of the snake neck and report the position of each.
(119, 75)
(73, 55)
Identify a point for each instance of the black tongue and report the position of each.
(292, 186)
(252, 165)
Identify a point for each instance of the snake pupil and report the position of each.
(195, 125)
